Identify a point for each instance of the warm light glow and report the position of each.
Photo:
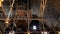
(44, 32)
(1, 2)
(7, 21)
(28, 33)
(58, 32)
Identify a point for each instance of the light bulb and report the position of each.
(34, 27)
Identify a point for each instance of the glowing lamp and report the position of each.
(34, 27)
